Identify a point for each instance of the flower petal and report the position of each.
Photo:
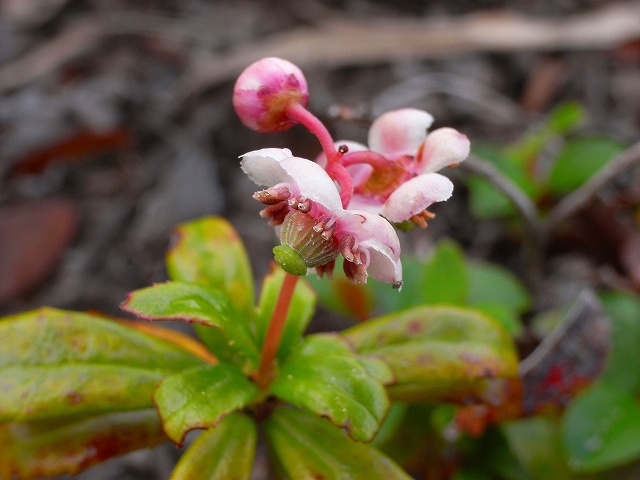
(399, 132)
(442, 147)
(414, 196)
(262, 166)
(271, 166)
(378, 237)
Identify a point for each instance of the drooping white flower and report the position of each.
(315, 228)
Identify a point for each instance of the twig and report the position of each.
(343, 43)
(519, 199)
(360, 43)
(581, 197)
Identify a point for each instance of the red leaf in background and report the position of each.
(566, 361)
(73, 149)
(33, 237)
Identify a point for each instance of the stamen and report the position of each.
(419, 220)
(272, 196)
(275, 213)
(304, 205)
(454, 165)
(346, 245)
(427, 215)
(328, 233)
(356, 272)
(318, 227)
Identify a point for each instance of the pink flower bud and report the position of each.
(264, 91)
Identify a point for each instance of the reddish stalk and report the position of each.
(274, 331)
(365, 156)
(304, 117)
(340, 175)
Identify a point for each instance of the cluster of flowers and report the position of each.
(344, 201)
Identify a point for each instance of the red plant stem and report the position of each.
(274, 331)
(365, 156)
(340, 175)
(304, 117)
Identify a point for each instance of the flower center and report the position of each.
(306, 243)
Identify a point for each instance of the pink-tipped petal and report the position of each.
(399, 132)
(378, 237)
(417, 194)
(383, 265)
(262, 166)
(272, 166)
(442, 147)
(313, 182)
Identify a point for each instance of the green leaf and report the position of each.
(487, 201)
(537, 444)
(301, 310)
(55, 363)
(305, 446)
(437, 353)
(445, 275)
(624, 311)
(200, 397)
(48, 448)
(221, 453)
(230, 338)
(579, 160)
(489, 283)
(565, 117)
(210, 252)
(504, 316)
(325, 377)
(601, 428)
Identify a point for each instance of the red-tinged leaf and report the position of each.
(33, 237)
(222, 453)
(437, 353)
(302, 308)
(568, 360)
(73, 149)
(55, 363)
(229, 338)
(200, 397)
(43, 449)
(180, 339)
(327, 378)
(210, 252)
(305, 446)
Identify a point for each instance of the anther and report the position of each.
(454, 165)
(328, 233)
(304, 205)
(343, 149)
(346, 245)
(419, 220)
(318, 227)
(272, 196)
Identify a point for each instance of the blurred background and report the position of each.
(116, 124)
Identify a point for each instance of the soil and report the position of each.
(107, 140)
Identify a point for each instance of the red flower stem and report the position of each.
(274, 331)
(340, 175)
(304, 117)
(366, 156)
